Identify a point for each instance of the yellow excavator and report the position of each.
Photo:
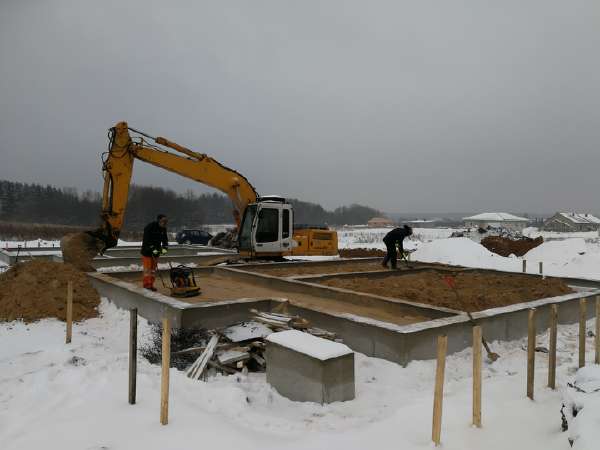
(264, 224)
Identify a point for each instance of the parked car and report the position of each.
(190, 236)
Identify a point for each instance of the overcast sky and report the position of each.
(420, 106)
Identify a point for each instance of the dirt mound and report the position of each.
(38, 289)
(506, 247)
(476, 290)
(360, 252)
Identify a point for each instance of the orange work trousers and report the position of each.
(150, 264)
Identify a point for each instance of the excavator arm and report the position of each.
(118, 168)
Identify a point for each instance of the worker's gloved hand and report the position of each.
(155, 252)
(163, 251)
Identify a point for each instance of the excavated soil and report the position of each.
(506, 247)
(38, 289)
(360, 252)
(476, 291)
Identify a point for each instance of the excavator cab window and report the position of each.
(267, 229)
(285, 224)
(245, 238)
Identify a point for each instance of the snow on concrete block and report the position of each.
(307, 368)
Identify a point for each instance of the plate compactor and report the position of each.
(183, 282)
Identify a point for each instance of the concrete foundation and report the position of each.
(395, 342)
(301, 375)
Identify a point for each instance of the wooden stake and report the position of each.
(597, 338)
(524, 266)
(582, 318)
(166, 362)
(69, 311)
(552, 345)
(530, 353)
(132, 354)
(477, 376)
(442, 345)
(541, 268)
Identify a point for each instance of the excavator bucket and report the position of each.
(79, 249)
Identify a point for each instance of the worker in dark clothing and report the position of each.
(154, 245)
(393, 238)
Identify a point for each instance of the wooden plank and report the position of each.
(232, 356)
(436, 432)
(133, 320)
(274, 323)
(597, 338)
(197, 368)
(69, 312)
(582, 319)
(530, 353)
(552, 347)
(166, 363)
(477, 376)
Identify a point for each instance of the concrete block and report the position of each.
(306, 368)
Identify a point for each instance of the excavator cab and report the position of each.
(266, 228)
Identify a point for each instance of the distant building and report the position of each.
(496, 220)
(422, 223)
(570, 221)
(380, 222)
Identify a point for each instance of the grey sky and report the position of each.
(402, 105)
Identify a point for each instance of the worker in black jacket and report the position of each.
(393, 238)
(154, 245)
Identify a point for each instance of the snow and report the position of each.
(308, 344)
(580, 218)
(247, 330)
(497, 217)
(373, 237)
(73, 397)
(463, 252)
(588, 236)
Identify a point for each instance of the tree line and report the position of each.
(36, 203)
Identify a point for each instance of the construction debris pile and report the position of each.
(505, 246)
(37, 289)
(236, 348)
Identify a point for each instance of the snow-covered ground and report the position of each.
(61, 397)
(573, 255)
(373, 237)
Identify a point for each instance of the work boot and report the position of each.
(152, 288)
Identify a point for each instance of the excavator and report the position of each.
(264, 224)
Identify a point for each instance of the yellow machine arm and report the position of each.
(118, 167)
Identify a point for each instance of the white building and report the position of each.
(570, 221)
(496, 220)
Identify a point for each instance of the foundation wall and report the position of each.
(396, 343)
(393, 305)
